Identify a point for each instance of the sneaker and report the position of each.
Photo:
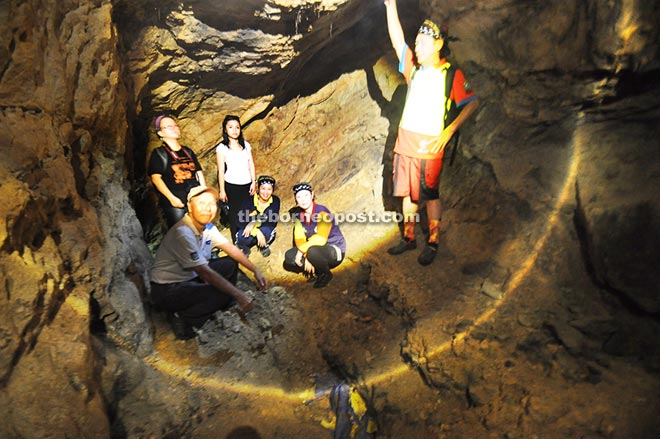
(265, 251)
(428, 254)
(244, 249)
(182, 330)
(403, 246)
(323, 279)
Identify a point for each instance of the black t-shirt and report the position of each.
(177, 168)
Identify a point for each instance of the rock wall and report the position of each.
(619, 205)
(571, 85)
(71, 244)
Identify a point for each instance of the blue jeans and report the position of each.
(251, 241)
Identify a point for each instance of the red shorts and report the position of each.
(408, 179)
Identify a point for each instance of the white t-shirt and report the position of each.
(238, 169)
(424, 110)
(182, 249)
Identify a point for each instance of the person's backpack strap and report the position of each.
(451, 112)
(161, 156)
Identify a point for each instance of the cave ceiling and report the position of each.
(281, 49)
(249, 48)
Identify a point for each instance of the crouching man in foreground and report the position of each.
(186, 280)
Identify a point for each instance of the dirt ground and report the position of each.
(435, 350)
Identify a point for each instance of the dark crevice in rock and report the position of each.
(22, 108)
(81, 164)
(22, 37)
(58, 297)
(338, 368)
(367, 303)
(252, 14)
(434, 376)
(32, 226)
(68, 209)
(624, 84)
(132, 16)
(96, 323)
(633, 83)
(15, 358)
(387, 297)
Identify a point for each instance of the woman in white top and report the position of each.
(236, 173)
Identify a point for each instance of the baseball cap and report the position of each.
(198, 190)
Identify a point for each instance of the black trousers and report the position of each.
(195, 301)
(322, 257)
(237, 194)
(172, 214)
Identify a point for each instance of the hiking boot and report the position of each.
(181, 329)
(403, 246)
(323, 279)
(428, 254)
(265, 251)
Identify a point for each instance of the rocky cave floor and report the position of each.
(435, 356)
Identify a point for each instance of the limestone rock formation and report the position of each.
(69, 234)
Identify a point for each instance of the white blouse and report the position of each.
(238, 169)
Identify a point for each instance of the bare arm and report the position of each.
(253, 175)
(236, 254)
(394, 27)
(450, 129)
(157, 181)
(464, 115)
(220, 160)
(221, 284)
(200, 178)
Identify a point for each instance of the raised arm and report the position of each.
(394, 27)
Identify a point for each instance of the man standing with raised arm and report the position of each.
(431, 116)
